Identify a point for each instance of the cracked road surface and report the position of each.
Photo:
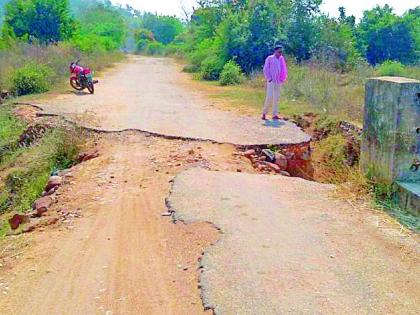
(150, 94)
(288, 248)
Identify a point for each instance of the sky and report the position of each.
(354, 7)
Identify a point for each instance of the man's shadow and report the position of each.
(274, 123)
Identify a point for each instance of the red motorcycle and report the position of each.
(81, 78)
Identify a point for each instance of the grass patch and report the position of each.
(10, 127)
(24, 176)
(24, 171)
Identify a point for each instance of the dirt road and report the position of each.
(122, 256)
(284, 246)
(150, 94)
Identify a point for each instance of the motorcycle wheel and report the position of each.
(75, 85)
(91, 87)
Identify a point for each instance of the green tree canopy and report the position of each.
(103, 23)
(164, 28)
(44, 20)
(382, 35)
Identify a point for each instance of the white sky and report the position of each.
(355, 7)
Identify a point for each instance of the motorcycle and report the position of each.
(81, 78)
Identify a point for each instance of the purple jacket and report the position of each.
(275, 69)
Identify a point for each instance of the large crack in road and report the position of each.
(286, 245)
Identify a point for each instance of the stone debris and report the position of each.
(38, 218)
(86, 156)
(269, 155)
(249, 153)
(53, 183)
(32, 133)
(281, 161)
(41, 205)
(17, 219)
(294, 160)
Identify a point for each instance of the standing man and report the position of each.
(275, 72)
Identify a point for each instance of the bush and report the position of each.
(211, 68)
(32, 78)
(392, 68)
(155, 48)
(231, 74)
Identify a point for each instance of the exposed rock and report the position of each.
(17, 220)
(261, 167)
(5, 94)
(270, 156)
(273, 167)
(83, 157)
(281, 161)
(249, 153)
(50, 192)
(32, 133)
(300, 168)
(42, 204)
(31, 227)
(53, 182)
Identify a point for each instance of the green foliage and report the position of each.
(393, 42)
(2, 6)
(392, 68)
(142, 38)
(42, 20)
(337, 43)
(211, 67)
(29, 169)
(154, 48)
(102, 26)
(10, 128)
(164, 28)
(382, 36)
(231, 74)
(302, 31)
(246, 31)
(32, 78)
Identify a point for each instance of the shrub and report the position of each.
(391, 68)
(211, 68)
(200, 53)
(231, 74)
(155, 48)
(32, 78)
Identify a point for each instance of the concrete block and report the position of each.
(391, 135)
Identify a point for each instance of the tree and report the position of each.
(164, 28)
(337, 44)
(393, 42)
(412, 20)
(103, 25)
(44, 20)
(302, 32)
(382, 35)
(2, 6)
